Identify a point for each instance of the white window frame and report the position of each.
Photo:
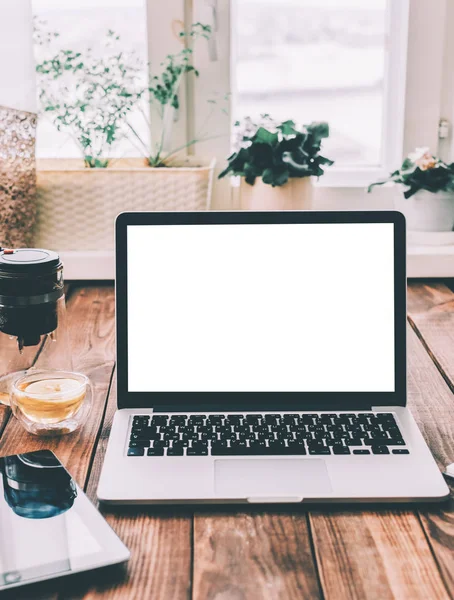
(392, 142)
(413, 75)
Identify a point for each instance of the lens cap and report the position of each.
(28, 260)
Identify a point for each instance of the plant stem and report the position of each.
(138, 137)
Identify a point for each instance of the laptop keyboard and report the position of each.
(265, 434)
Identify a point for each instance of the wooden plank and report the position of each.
(91, 325)
(370, 555)
(358, 552)
(160, 540)
(431, 309)
(431, 314)
(263, 555)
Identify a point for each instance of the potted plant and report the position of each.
(427, 200)
(93, 98)
(276, 162)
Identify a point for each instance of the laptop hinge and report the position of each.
(279, 408)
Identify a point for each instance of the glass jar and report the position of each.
(51, 402)
(33, 332)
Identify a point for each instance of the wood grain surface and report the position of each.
(273, 553)
(253, 554)
(430, 381)
(431, 314)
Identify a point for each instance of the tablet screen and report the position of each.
(48, 526)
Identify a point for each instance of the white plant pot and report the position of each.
(296, 194)
(77, 206)
(426, 211)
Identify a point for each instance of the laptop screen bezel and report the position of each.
(213, 401)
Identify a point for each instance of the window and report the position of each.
(315, 60)
(378, 71)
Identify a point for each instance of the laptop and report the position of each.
(262, 359)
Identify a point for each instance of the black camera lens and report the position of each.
(31, 282)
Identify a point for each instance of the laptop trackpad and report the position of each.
(270, 477)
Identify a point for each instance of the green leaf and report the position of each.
(263, 136)
(275, 177)
(287, 128)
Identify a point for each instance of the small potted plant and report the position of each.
(427, 200)
(276, 162)
(92, 98)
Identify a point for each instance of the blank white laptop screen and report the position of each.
(275, 308)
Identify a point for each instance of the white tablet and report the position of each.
(48, 527)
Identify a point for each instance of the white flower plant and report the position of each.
(421, 170)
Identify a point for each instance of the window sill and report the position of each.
(350, 177)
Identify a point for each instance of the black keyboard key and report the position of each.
(396, 442)
(204, 428)
(260, 428)
(326, 419)
(159, 419)
(281, 436)
(401, 451)
(307, 419)
(168, 428)
(294, 447)
(253, 419)
(197, 450)
(140, 419)
(272, 419)
(333, 442)
(238, 448)
(353, 441)
(318, 448)
(364, 451)
(340, 449)
(178, 419)
(344, 418)
(151, 433)
(155, 451)
(276, 447)
(235, 418)
(136, 451)
(173, 436)
(380, 450)
(139, 444)
(257, 449)
(215, 419)
(385, 418)
(196, 419)
(232, 423)
(223, 429)
(290, 419)
(219, 448)
(161, 444)
(175, 450)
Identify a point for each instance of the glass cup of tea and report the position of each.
(51, 402)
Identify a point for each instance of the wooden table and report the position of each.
(273, 552)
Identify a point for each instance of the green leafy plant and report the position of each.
(277, 152)
(94, 98)
(162, 94)
(89, 96)
(421, 171)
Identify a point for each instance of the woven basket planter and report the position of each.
(77, 207)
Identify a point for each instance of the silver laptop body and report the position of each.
(262, 359)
